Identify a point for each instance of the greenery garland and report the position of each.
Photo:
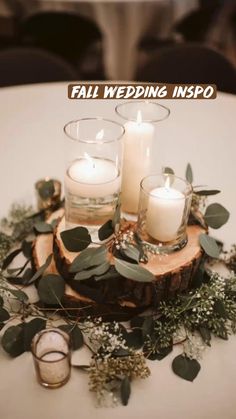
(119, 352)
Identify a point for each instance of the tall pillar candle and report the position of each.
(137, 161)
(140, 119)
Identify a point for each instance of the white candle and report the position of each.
(137, 161)
(54, 367)
(164, 213)
(92, 178)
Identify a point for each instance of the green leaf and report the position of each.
(41, 270)
(157, 355)
(20, 295)
(216, 215)
(2, 325)
(13, 340)
(132, 271)
(132, 252)
(105, 231)
(219, 308)
(189, 173)
(186, 368)
(42, 227)
(168, 171)
(205, 334)
(51, 289)
(4, 315)
(125, 390)
(110, 274)
(88, 258)
(116, 218)
(76, 239)
(26, 277)
(30, 329)
(97, 270)
(75, 334)
(207, 192)
(8, 260)
(47, 189)
(209, 245)
(27, 249)
(148, 326)
(134, 339)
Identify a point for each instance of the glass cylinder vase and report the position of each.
(140, 118)
(93, 172)
(164, 207)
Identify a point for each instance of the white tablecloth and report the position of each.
(123, 23)
(31, 146)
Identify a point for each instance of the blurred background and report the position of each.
(185, 41)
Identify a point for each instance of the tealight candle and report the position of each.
(51, 353)
(164, 206)
(92, 178)
(165, 212)
(93, 172)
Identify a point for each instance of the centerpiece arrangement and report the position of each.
(102, 257)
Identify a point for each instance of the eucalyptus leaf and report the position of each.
(132, 271)
(20, 295)
(75, 334)
(186, 368)
(189, 173)
(209, 245)
(47, 189)
(132, 252)
(27, 275)
(106, 230)
(8, 260)
(27, 249)
(97, 270)
(90, 257)
(125, 390)
(76, 239)
(205, 334)
(110, 274)
(13, 340)
(216, 215)
(116, 218)
(41, 270)
(157, 355)
(207, 192)
(51, 289)
(219, 308)
(42, 227)
(4, 315)
(168, 171)
(30, 329)
(148, 326)
(134, 339)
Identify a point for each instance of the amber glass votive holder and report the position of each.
(52, 357)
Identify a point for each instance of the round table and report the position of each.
(31, 146)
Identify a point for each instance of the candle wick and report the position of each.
(93, 165)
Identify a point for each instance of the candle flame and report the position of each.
(139, 117)
(167, 182)
(89, 159)
(100, 134)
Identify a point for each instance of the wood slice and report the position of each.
(173, 273)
